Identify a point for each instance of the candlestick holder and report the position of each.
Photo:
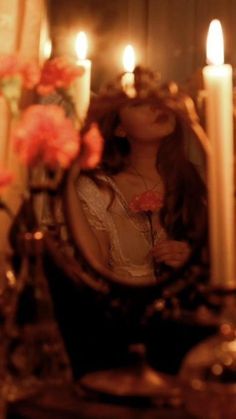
(136, 381)
(208, 371)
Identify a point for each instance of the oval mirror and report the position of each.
(133, 217)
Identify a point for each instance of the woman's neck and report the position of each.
(143, 158)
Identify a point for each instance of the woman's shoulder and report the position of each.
(94, 182)
(94, 188)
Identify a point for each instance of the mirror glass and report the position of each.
(168, 37)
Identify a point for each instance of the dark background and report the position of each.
(168, 35)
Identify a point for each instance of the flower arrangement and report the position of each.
(16, 74)
(42, 135)
(58, 73)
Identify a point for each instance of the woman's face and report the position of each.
(144, 122)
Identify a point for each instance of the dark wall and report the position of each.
(105, 23)
(168, 35)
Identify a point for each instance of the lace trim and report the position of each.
(92, 203)
(96, 203)
(139, 220)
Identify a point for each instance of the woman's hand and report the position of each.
(172, 252)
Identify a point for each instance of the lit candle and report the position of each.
(45, 43)
(10, 21)
(82, 83)
(47, 49)
(29, 39)
(219, 109)
(127, 80)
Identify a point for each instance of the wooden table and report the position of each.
(73, 403)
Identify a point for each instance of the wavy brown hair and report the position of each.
(184, 213)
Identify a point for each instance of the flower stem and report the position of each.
(156, 265)
(149, 217)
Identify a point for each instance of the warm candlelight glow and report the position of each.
(215, 43)
(219, 122)
(81, 45)
(82, 83)
(47, 49)
(129, 59)
(127, 80)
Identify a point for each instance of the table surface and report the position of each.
(71, 402)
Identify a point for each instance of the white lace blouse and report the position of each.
(129, 233)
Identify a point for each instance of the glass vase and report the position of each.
(36, 355)
(7, 300)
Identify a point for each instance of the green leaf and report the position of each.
(11, 88)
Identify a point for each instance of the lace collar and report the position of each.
(138, 219)
(118, 192)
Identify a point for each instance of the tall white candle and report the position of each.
(10, 20)
(31, 26)
(45, 46)
(127, 80)
(82, 83)
(219, 109)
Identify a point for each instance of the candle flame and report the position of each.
(129, 59)
(47, 49)
(81, 45)
(215, 43)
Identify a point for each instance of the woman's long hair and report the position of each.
(184, 213)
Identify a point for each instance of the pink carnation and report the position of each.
(148, 201)
(13, 65)
(44, 134)
(92, 148)
(5, 178)
(59, 72)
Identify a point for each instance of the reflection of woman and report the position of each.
(144, 151)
